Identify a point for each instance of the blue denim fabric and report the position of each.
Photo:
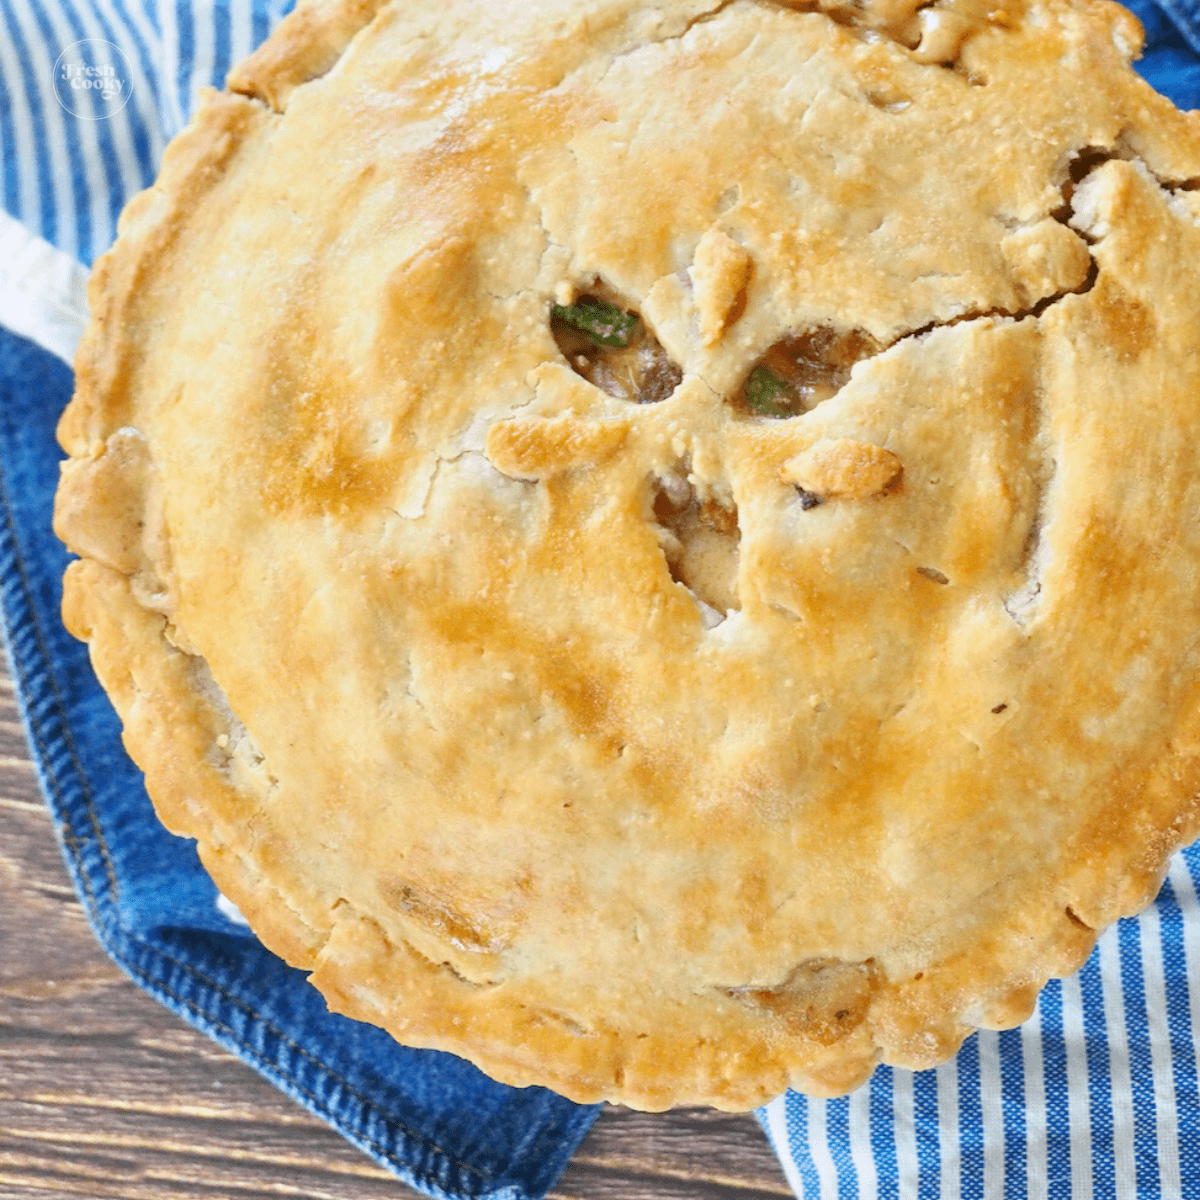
(435, 1120)
(1171, 59)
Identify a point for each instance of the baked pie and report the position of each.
(657, 546)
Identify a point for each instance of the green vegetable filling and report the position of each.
(771, 395)
(604, 323)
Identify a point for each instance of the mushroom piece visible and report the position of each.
(798, 373)
(699, 539)
(612, 348)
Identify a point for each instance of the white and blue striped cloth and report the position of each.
(1095, 1097)
(67, 178)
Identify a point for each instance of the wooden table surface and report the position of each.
(105, 1094)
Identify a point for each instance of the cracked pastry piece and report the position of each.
(802, 702)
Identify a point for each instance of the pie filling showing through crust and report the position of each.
(657, 546)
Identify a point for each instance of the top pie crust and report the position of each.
(660, 753)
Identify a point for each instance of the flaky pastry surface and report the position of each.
(680, 750)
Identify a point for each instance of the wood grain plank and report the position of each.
(632, 1141)
(152, 1167)
(104, 1094)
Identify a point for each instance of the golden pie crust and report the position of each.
(663, 752)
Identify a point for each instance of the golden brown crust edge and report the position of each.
(308, 42)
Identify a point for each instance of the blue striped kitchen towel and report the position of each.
(1096, 1096)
